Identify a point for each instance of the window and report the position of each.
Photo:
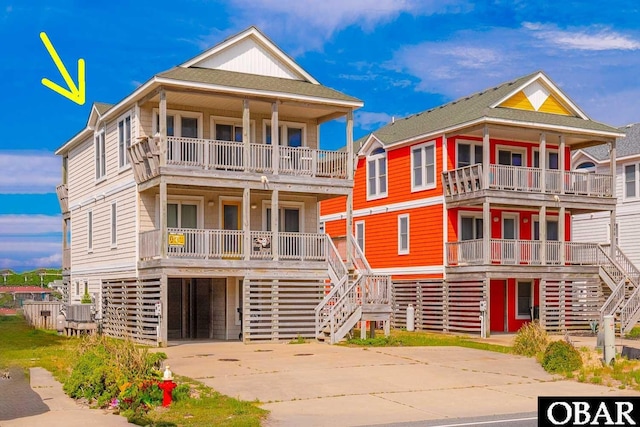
(553, 160)
(590, 166)
(182, 215)
(184, 124)
(377, 174)
(114, 225)
(630, 181)
(510, 158)
(360, 235)
(288, 220)
(469, 154)
(90, 231)
(124, 140)
(552, 230)
(403, 234)
(289, 134)
(228, 132)
(101, 158)
(470, 228)
(423, 166)
(525, 300)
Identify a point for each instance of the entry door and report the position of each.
(184, 216)
(232, 220)
(509, 232)
(497, 298)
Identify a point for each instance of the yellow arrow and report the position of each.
(74, 93)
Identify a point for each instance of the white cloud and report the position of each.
(54, 261)
(29, 224)
(22, 246)
(370, 120)
(29, 172)
(595, 39)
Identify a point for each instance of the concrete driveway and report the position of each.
(321, 385)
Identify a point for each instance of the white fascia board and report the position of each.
(394, 207)
(372, 139)
(576, 154)
(252, 32)
(398, 271)
(257, 92)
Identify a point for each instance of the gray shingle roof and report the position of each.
(626, 146)
(255, 82)
(477, 106)
(102, 107)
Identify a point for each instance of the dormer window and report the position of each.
(377, 174)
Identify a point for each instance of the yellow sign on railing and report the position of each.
(176, 239)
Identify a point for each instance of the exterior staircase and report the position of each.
(623, 279)
(356, 294)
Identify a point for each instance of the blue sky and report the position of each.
(399, 57)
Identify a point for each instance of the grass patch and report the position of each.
(23, 346)
(634, 333)
(400, 338)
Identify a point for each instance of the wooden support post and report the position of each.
(246, 223)
(543, 163)
(445, 212)
(562, 160)
(486, 233)
(349, 135)
(486, 157)
(164, 301)
(349, 211)
(163, 128)
(245, 134)
(275, 223)
(487, 287)
(561, 231)
(612, 215)
(275, 138)
(542, 228)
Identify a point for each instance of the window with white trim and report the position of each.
(360, 234)
(403, 234)
(470, 227)
(469, 154)
(553, 160)
(185, 124)
(290, 134)
(90, 231)
(423, 167)
(114, 224)
(124, 139)
(377, 174)
(631, 190)
(100, 155)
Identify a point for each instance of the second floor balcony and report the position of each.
(470, 181)
(229, 156)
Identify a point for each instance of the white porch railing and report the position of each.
(469, 179)
(230, 155)
(194, 243)
(522, 252)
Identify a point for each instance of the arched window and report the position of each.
(586, 165)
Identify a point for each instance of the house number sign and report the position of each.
(176, 239)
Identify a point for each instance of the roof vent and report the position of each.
(393, 119)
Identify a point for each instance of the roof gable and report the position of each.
(250, 52)
(542, 95)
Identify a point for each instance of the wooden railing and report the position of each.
(66, 258)
(194, 243)
(63, 197)
(523, 252)
(376, 289)
(469, 179)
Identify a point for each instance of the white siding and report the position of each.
(248, 56)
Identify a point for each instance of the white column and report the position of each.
(543, 164)
(561, 159)
(245, 133)
(275, 224)
(561, 231)
(246, 215)
(164, 301)
(163, 217)
(275, 142)
(445, 216)
(486, 233)
(612, 215)
(486, 157)
(163, 128)
(543, 234)
(350, 159)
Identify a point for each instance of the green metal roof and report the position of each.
(475, 107)
(255, 82)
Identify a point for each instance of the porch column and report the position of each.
(164, 301)
(487, 286)
(349, 146)
(561, 159)
(275, 140)
(486, 157)
(445, 216)
(612, 215)
(163, 128)
(349, 226)
(543, 235)
(561, 232)
(542, 306)
(246, 221)
(486, 233)
(245, 134)
(543, 163)
(275, 239)
(163, 217)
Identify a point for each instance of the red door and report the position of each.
(496, 305)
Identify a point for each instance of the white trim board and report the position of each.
(413, 204)
(426, 269)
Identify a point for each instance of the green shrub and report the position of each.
(560, 356)
(530, 340)
(117, 373)
(86, 298)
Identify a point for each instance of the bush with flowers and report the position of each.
(117, 374)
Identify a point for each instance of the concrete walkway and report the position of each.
(40, 401)
(320, 385)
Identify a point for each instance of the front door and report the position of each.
(497, 304)
(190, 308)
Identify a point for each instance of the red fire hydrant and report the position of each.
(167, 385)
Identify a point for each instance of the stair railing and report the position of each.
(340, 280)
(626, 265)
(614, 301)
(345, 306)
(630, 311)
